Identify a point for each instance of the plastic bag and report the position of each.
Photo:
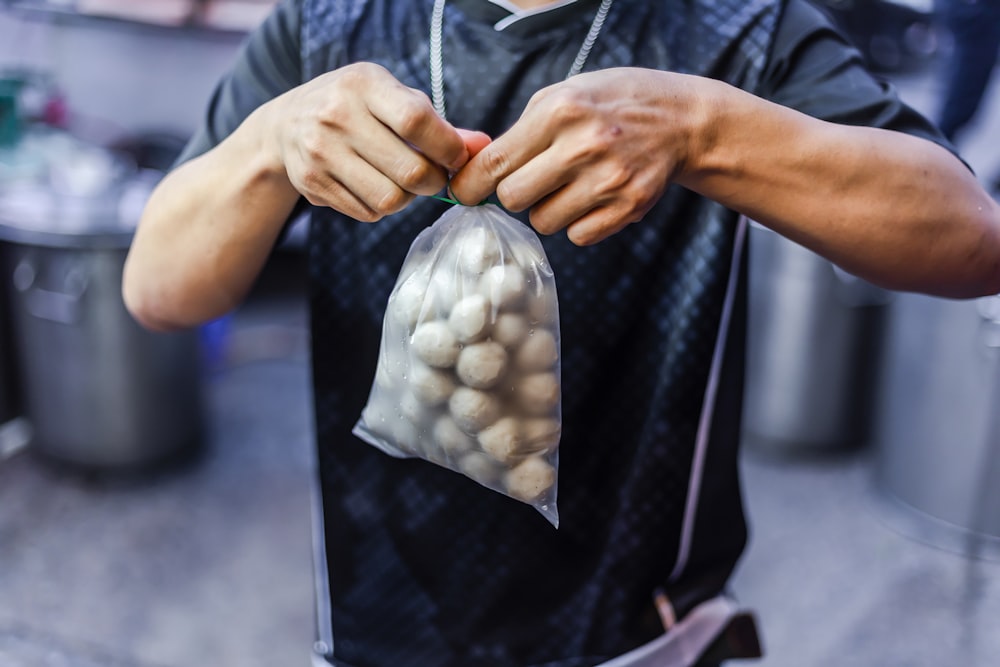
(468, 373)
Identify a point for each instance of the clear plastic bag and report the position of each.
(468, 373)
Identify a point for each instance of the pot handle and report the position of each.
(989, 323)
(62, 307)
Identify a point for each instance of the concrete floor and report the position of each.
(210, 564)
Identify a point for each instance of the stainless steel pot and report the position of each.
(97, 389)
(8, 383)
(813, 340)
(938, 435)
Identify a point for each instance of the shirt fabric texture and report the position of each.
(427, 567)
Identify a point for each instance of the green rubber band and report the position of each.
(458, 203)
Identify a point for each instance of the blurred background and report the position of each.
(156, 490)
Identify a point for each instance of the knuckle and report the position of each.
(392, 200)
(364, 214)
(581, 236)
(335, 112)
(565, 106)
(416, 175)
(496, 162)
(618, 178)
(542, 223)
(511, 197)
(313, 146)
(413, 117)
(359, 75)
(313, 181)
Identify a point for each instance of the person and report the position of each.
(639, 173)
(975, 27)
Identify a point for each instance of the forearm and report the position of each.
(897, 210)
(207, 231)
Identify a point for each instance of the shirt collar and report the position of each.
(507, 17)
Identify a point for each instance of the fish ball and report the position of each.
(470, 318)
(431, 386)
(411, 302)
(538, 352)
(450, 438)
(472, 409)
(502, 440)
(537, 394)
(481, 365)
(480, 467)
(509, 329)
(435, 344)
(478, 249)
(503, 285)
(530, 479)
(541, 306)
(540, 433)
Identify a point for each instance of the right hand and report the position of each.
(359, 141)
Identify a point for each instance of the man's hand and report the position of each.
(359, 141)
(589, 155)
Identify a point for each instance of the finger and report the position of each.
(410, 115)
(475, 141)
(502, 157)
(532, 183)
(355, 188)
(398, 161)
(595, 226)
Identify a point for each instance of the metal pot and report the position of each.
(814, 335)
(98, 390)
(939, 423)
(8, 398)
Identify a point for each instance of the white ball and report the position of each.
(541, 305)
(479, 467)
(432, 386)
(478, 249)
(509, 329)
(481, 365)
(502, 439)
(435, 344)
(538, 352)
(526, 255)
(530, 479)
(540, 434)
(411, 302)
(450, 438)
(538, 393)
(472, 409)
(470, 318)
(448, 285)
(412, 409)
(503, 285)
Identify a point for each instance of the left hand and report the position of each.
(591, 154)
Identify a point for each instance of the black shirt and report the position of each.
(429, 568)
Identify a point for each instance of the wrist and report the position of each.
(710, 115)
(262, 145)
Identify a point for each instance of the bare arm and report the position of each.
(354, 139)
(593, 154)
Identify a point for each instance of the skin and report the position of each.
(588, 157)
